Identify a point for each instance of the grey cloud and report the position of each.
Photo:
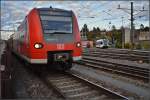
(15, 10)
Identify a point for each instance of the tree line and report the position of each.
(114, 35)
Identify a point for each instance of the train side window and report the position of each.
(26, 31)
(25, 27)
(22, 31)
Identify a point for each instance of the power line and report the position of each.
(132, 18)
(7, 30)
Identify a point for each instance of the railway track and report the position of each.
(118, 54)
(125, 70)
(120, 51)
(130, 57)
(138, 52)
(72, 86)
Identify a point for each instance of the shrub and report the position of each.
(118, 45)
(128, 45)
(146, 45)
(138, 46)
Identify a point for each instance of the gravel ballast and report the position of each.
(27, 85)
(130, 88)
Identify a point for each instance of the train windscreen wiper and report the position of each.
(61, 33)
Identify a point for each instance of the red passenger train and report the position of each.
(48, 36)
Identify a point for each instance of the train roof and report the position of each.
(55, 9)
(101, 40)
(54, 12)
(48, 9)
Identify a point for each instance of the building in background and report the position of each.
(126, 36)
(144, 36)
(144, 40)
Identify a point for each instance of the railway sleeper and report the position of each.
(146, 79)
(131, 67)
(84, 95)
(117, 68)
(76, 89)
(71, 86)
(127, 69)
(120, 56)
(63, 83)
(60, 80)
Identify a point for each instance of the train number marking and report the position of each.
(60, 46)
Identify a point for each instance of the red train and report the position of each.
(48, 36)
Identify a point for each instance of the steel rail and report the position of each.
(99, 86)
(144, 77)
(74, 91)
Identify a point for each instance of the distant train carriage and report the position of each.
(102, 43)
(48, 36)
(87, 44)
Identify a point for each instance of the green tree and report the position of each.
(146, 28)
(94, 30)
(85, 28)
(117, 37)
(113, 32)
(98, 29)
(141, 27)
(113, 27)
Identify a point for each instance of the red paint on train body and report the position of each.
(48, 33)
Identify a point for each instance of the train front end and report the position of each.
(58, 44)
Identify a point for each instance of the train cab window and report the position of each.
(57, 25)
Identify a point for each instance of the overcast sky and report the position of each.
(102, 11)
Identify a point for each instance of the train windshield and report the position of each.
(57, 25)
(102, 42)
(105, 42)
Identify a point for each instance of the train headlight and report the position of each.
(38, 45)
(78, 44)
